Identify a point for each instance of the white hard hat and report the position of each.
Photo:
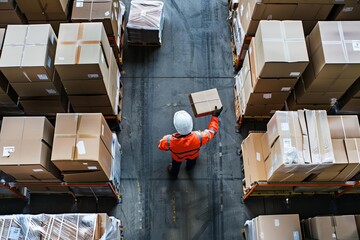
(183, 122)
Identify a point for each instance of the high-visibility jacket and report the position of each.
(188, 146)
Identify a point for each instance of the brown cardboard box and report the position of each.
(344, 126)
(11, 16)
(349, 12)
(293, 105)
(253, 159)
(76, 87)
(96, 11)
(26, 143)
(334, 227)
(353, 105)
(104, 110)
(280, 49)
(82, 144)
(280, 227)
(335, 59)
(83, 51)
(284, 124)
(44, 9)
(7, 4)
(261, 110)
(203, 103)
(45, 105)
(306, 97)
(274, 98)
(28, 53)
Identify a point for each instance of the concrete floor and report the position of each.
(205, 203)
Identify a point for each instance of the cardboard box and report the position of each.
(44, 10)
(7, 4)
(82, 145)
(26, 148)
(203, 103)
(253, 159)
(344, 126)
(349, 12)
(293, 105)
(280, 227)
(280, 49)
(83, 52)
(55, 24)
(95, 11)
(28, 53)
(11, 16)
(284, 124)
(335, 59)
(336, 227)
(353, 105)
(306, 97)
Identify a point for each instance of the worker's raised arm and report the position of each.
(210, 132)
(163, 143)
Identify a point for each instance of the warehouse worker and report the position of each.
(186, 143)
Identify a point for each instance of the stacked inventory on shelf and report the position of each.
(10, 13)
(276, 58)
(332, 227)
(145, 23)
(279, 227)
(92, 226)
(82, 147)
(110, 13)
(27, 62)
(303, 146)
(84, 56)
(350, 101)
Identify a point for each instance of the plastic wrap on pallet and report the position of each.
(116, 163)
(250, 229)
(59, 226)
(145, 15)
(319, 136)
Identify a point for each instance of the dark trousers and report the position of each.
(176, 166)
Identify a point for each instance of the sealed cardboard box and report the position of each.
(28, 53)
(353, 105)
(253, 159)
(349, 12)
(97, 11)
(203, 103)
(322, 228)
(26, 148)
(344, 126)
(280, 49)
(293, 105)
(280, 227)
(45, 9)
(82, 147)
(11, 16)
(334, 57)
(7, 4)
(83, 52)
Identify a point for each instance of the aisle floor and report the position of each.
(206, 202)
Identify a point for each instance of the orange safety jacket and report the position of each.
(188, 146)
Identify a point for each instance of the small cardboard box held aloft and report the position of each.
(203, 103)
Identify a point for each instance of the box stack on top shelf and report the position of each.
(10, 13)
(303, 146)
(84, 56)
(145, 23)
(325, 62)
(91, 226)
(275, 60)
(27, 62)
(110, 13)
(52, 12)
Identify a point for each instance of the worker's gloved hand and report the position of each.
(217, 111)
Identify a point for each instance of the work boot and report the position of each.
(169, 171)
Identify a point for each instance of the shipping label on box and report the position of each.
(203, 103)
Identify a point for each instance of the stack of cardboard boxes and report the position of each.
(52, 12)
(146, 22)
(89, 226)
(26, 144)
(84, 58)
(277, 57)
(10, 13)
(332, 227)
(82, 147)
(303, 146)
(27, 61)
(334, 64)
(279, 227)
(109, 12)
